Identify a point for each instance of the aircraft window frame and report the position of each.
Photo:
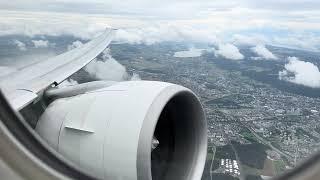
(19, 129)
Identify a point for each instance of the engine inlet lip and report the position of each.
(148, 128)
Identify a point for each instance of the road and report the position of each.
(213, 155)
(289, 157)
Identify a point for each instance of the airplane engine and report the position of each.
(130, 130)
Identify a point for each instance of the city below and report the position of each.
(257, 128)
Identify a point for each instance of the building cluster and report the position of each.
(230, 166)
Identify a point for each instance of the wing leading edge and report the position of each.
(24, 86)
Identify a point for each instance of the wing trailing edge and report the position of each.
(24, 86)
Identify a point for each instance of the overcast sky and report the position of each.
(160, 8)
(281, 22)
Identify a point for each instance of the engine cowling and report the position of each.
(130, 130)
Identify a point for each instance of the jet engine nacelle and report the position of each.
(130, 130)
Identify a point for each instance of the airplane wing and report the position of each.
(24, 86)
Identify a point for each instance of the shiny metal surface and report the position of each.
(109, 132)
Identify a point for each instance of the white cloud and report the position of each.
(130, 37)
(301, 72)
(20, 45)
(108, 69)
(229, 51)
(40, 43)
(135, 77)
(263, 52)
(74, 45)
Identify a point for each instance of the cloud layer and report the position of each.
(301, 72)
(162, 32)
(198, 21)
(162, 8)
